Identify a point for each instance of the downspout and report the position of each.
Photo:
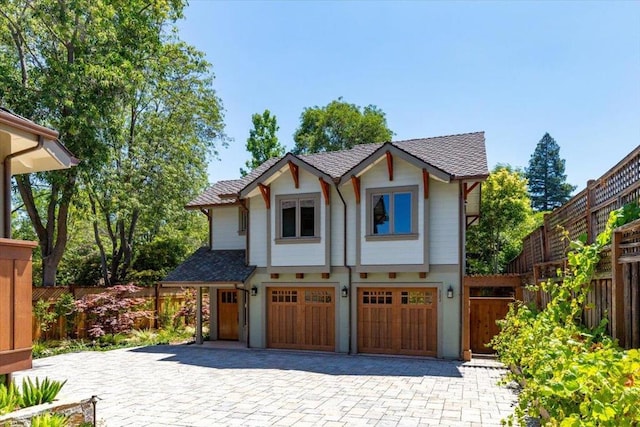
(7, 183)
(344, 256)
(243, 205)
(462, 224)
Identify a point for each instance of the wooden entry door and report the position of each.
(301, 318)
(398, 321)
(484, 311)
(227, 314)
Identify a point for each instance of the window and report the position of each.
(298, 218)
(392, 213)
(243, 220)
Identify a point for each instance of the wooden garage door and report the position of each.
(301, 318)
(398, 321)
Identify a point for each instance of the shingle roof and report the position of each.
(212, 195)
(463, 155)
(211, 266)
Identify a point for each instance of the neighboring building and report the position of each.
(25, 147)
(360, 250)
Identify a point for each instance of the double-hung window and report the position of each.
(392, 213)
(298, 218)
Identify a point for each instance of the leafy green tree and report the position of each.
(168, 122)
(67, 64)
(338, 126)
(506, 218)
(262, 142)
(547, 181)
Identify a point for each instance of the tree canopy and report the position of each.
(128, 99)
(547, 181)
(263, 142)
(506, 218)
(340, 125)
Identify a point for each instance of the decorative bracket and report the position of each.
(294, 173)
(468, 189)
(390, 165)
(355, 181)
(326, 190)
(265, 190)
(425, 183)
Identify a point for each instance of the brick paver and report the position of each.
(194, 386)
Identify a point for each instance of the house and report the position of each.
(354, 251)
(25, 147)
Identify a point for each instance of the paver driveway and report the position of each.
(193, 386)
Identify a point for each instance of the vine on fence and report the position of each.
(571, 375)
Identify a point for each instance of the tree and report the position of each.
(157, 147)
(506, 218)
(262, 142)
(547, 181)
(66, 64)
(339, 126)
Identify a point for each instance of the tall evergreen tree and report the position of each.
(547, 181)
(262, 143)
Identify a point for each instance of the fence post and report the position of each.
(157, 306)
(589, 206)
(545, 232)
(617, 291)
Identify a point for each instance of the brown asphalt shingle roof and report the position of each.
(463, 155)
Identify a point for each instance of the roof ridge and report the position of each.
(438, 137)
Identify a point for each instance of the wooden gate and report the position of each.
(301, 318)
(483, 315)
(485, 300)
(398, 321)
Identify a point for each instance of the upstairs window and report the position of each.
(298, 218)
(392, 212)
(243, 220)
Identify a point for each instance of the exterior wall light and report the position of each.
(345, 292)
(254, 291)
(450, 292)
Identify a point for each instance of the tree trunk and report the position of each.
(52, 234)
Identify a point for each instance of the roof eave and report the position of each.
(289, 157)
(27, 125)
(394, 150)
(463, 177)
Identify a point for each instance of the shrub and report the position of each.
(9, 398)
(188, 309)
(49, 419)
(39, 392)
(570, 374)
(112, 311)
(47, 313)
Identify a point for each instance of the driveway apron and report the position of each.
(188, 385)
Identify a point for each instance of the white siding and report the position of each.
(257, 232)
(297, 254)
(444, 222)
(352, 210)
(337, 227)
(391, 251)
(225, 228)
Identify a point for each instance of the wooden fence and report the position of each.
(614, 292)
(159, 301)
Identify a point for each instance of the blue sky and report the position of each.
(512, 69)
